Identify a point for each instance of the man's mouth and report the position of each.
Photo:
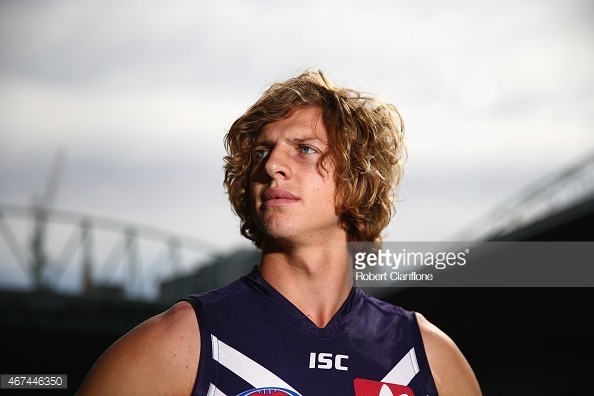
(278, 196)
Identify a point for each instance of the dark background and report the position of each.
(519, 341)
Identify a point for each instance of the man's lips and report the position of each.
(278, 196)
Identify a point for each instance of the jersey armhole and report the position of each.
(204, 376)
(428, 380)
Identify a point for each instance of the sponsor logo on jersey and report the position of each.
(269, 392)
(365, 387)
(327, 361)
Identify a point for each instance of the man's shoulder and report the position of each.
(384, 307)
(166, 346)
(450, 369)
(219, 295)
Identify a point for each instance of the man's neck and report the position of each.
(316, 279)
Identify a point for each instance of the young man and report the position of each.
(310, 167)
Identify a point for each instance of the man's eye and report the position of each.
(260, 154)
(307, 150)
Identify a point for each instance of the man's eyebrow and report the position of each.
(263, 143)
(293, 140)
(309, 139)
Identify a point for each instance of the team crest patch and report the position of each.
(364, 387)
(269, 392)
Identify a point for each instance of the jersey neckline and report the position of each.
(336, 325)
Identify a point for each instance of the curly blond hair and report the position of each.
(365, 145)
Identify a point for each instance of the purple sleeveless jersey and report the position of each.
(255, 342)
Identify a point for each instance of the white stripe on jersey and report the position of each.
(250, 371)
(214, 391)
(405, 370)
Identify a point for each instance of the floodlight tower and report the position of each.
(41, 210)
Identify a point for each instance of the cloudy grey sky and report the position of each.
(139, 94)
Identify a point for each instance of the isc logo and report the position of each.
(327, 361)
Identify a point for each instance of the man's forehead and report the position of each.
(301, 126)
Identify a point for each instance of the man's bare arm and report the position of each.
(159, 356)
(451, 372)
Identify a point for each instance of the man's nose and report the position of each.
(278, 163)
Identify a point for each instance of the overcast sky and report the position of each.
(139, 94)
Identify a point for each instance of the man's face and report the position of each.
(292, 197)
